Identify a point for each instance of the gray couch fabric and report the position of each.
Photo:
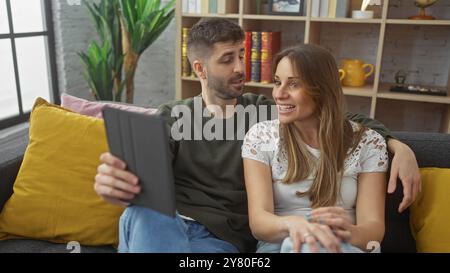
(13, 145)
(34, 246)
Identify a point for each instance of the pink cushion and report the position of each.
(94, 109)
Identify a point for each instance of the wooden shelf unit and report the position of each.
(375, 98)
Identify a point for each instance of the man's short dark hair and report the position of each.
(209, 31)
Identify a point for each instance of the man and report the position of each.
(210, 192)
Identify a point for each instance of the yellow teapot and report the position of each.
(355, 72)
(341, 74)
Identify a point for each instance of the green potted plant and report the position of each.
(103, 63)
(126, 28)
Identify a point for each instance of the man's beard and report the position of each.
(223, 88)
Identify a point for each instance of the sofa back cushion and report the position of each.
(94, 108)
(54, 197)
(431, 149)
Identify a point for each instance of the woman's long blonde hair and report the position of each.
(319, 77)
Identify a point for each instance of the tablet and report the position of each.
(141, 141)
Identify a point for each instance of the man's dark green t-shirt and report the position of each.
(209, 176)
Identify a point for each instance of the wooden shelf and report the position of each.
(374, 98)
(249, 84)
(418, 22)
(193, 79)
(231, 16)
(364, 91)
(346, 20)
(260, 85)
(413, 97)
(274, 17)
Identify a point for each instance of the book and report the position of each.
(255, 71)
(204, 6)
(226, 6)
(266, 67)
(332, 8)
(342, 8)
(271, 41)
(185, 6)
(255, 63)
(248, 54)
(192, 6)
(270, 46)
(256, 41)
(315, 8)
(324, 8)
(198, 6)
(212, 6)
(258, 6)
(185, 64)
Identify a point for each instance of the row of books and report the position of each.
(207, 6)
(319, 8)
(330, 8)
(186, 70)
(260, 47)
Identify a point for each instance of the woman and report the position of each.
(315, 181)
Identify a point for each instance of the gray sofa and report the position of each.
(432, 150)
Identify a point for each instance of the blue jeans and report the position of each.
(142, 230)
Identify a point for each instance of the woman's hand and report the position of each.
(301, 231)
(336, 218)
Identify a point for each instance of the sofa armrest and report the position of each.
(8, 174)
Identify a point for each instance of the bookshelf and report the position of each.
(399, 111)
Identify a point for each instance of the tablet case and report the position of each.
(141, 141)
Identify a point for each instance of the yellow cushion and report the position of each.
(430, 213)
(54, 197)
